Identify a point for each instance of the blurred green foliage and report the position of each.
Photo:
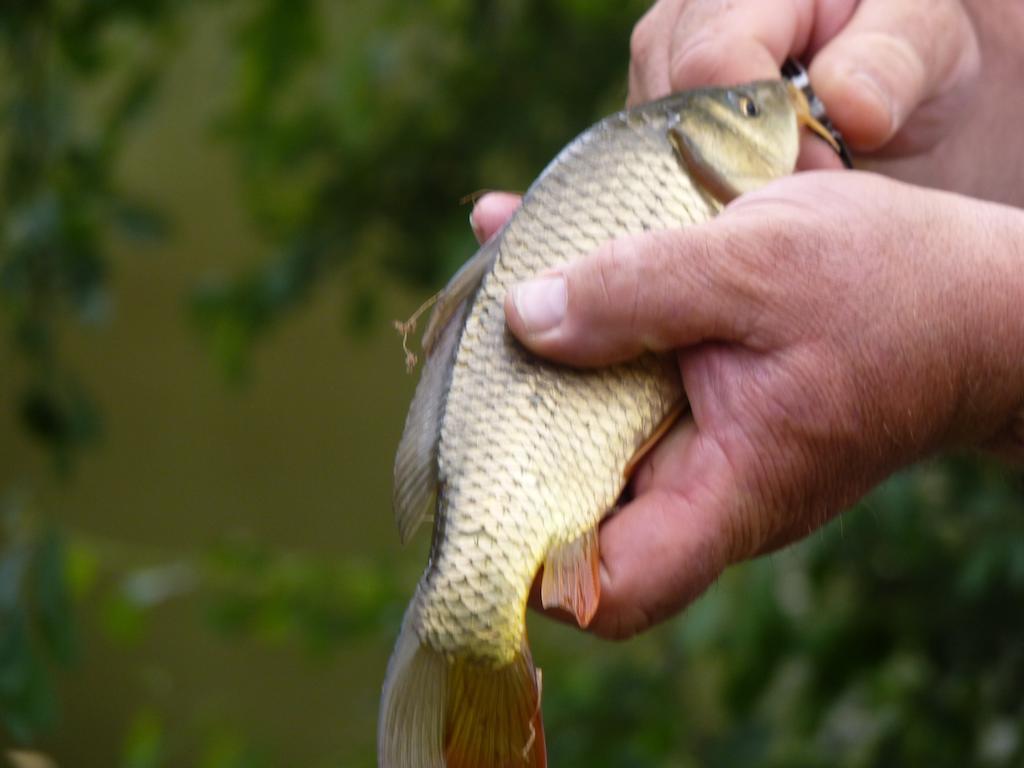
(894, 643)
(242, 591)
(59, 203)
(355, 153)
(894, 638)
(284, 597)
(36, 624)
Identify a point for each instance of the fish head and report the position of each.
(737, 139)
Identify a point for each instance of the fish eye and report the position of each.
(747, 106)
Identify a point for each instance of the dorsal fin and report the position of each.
(461, 287)
(416, 461)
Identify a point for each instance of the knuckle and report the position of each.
(783, 275)
(699, 61)
(904, 61)
(605, 277)
(635, 281)
(789, 245)
(745, 276)
(966, 64)
(774, 250)
(617, 275)
(642, 39)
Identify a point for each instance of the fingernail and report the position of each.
(477, 232)
(540, 302)
(879, 94)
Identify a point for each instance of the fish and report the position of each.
(516, 460)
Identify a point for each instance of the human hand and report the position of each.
(893, 75)
(829, 328)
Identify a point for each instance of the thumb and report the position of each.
(892, 59)
(491, 212)
(665, 547)
(656, 291)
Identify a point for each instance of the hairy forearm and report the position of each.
(1002, 339)
(1007, 336)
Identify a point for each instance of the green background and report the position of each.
(210, 212)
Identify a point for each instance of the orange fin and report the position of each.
(572, 577)
(493, 717)
(659, 432)
(438, 713)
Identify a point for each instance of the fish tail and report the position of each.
(410, 727)
(494, 718)
(461, 714)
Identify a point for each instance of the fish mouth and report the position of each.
(805, 117)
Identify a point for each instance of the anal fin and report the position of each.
(572, 577)
(667, 422)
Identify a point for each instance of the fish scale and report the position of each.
(576, 446)
(518, 459)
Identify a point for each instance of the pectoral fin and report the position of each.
(572, 577)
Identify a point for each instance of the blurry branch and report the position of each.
(59, 206)
(322, 603)
(149, 745)
(245, 590)
(355, 149)
(36, 624)
(145, 743)
(59, 202)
